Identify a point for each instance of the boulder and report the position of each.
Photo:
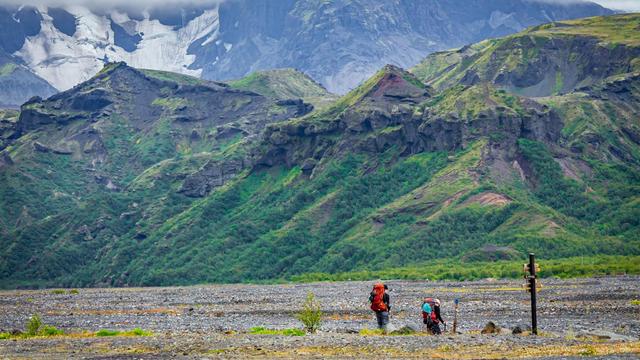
(490, 328)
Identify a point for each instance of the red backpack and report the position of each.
(377, 303)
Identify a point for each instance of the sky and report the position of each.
(626, 5)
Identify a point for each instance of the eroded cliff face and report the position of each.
(397, 112)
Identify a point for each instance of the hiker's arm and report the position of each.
(437, 310)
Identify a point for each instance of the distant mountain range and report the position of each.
(524, 143)
(338, 43)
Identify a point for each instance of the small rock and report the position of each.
(405, 330)
(521, 329)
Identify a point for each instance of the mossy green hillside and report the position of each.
(285, 84)
(544, 60)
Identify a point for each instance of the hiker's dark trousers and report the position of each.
(383, 319)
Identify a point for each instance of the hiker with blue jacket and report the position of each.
(431, 315)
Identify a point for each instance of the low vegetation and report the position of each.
(259, 330)
(447, 270)
(311, 314)
(33, 328)
(134, 332)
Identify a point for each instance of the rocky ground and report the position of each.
(594, 317)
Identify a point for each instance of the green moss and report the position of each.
(468, 102)
(170, 103)
(173, 77)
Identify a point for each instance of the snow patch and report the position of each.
(64, 61)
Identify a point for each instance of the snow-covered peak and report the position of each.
(66, 60)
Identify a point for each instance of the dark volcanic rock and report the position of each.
(385, 117)
(213, 174)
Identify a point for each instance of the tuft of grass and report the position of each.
(371, 332)
(74, 292)
(4, 335)
(48, 330)
(635, 302)
(134, 332)
(105, 332)
(58, 291)
(259, 330)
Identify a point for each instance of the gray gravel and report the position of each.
(213, 320)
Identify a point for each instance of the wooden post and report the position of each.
(533, 290)
(455, 317)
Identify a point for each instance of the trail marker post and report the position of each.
(455, 316)
(531, 286)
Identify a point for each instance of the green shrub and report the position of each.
(4, 335)
(74, 292)
(104, 332)
(635, 302)
(48, 330)
(58, 291)
(311, 314)
(33, 325)
(137, 332)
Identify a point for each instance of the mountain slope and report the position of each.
(80, 168)
(544, 60)
(284, 84)
(338, 43)
(394, 173)
(18, 84)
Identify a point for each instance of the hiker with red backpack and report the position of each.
(379, 300)
(431, 315)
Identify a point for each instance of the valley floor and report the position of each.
(598, 317)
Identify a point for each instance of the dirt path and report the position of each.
(577, 317)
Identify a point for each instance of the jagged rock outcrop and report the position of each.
(385, 116)
(213, 174)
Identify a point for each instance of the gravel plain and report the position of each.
(580, 317)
